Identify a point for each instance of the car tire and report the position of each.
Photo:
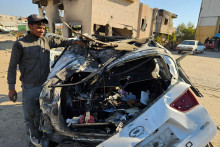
(194, 52)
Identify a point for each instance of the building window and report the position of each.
(61, 10)
(58, 28)
(143, 24)
(61, 13)
(44, 13)
(166, 21)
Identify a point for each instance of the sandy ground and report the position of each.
(203, 69)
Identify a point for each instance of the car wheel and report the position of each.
(194, 52)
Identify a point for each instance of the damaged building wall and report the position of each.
(128, 18)
(164, 22)
(120, 14)
(91, 14)
(78, 13)
(72, 12)
(145, 17)
(52, 14)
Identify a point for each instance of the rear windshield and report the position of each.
(188, 42)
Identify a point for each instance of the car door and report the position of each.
(200, 47)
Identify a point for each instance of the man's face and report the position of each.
(37, 29)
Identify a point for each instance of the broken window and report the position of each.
(99, 29)
(58, 28)
(165, 21)
(143, 24)
(44, 13)
(125, 32)
(77, 26)
(61, 13)
(61, 10)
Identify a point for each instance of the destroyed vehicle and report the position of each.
(130, 94)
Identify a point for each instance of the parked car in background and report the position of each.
(210, 44)
(131, 94)
(191, 45)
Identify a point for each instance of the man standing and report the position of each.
(217, 42)
(32, 55)
(207, 40)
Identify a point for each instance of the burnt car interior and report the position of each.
(98, 104)
(115, 96)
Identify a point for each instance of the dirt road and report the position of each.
(204, 72)
(203, 69)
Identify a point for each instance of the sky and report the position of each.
(18, 7)
(187, 10)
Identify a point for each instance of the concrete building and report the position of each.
(128, 18)
(8, 26)
(209, 20)
(12, 23)
(163, 22)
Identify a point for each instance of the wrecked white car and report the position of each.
(109, 96)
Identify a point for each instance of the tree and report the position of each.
(185, 32)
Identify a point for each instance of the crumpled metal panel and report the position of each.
(78, 60)
(71, 61)
(144, 51)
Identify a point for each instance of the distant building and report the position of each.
(8, 26)
(12, 23)
(209, 20)
(128, 18)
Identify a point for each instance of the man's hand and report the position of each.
(12, 94)
(80, 43)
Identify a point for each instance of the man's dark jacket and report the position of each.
(33, 57)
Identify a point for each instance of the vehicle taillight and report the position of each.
(185, 102)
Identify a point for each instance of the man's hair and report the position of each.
(37, 23)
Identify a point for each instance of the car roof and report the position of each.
(190, 40)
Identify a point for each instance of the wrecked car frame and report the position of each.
(122, 98)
